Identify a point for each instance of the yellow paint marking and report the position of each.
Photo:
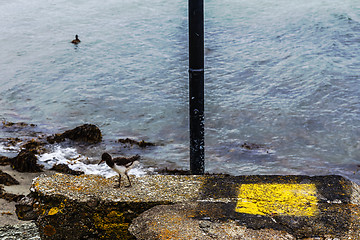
(282, 199)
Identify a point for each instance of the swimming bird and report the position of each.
(121, 165)
(76, 40)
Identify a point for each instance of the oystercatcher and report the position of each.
(121, 165)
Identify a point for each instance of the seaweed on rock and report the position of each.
(142, 143)
(88, 133)
(63, 168)
(26, 161)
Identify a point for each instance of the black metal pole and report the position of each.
(196, 85)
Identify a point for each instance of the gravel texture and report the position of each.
(27, 231)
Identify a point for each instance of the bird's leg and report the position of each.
(118, 186)
(128, 179)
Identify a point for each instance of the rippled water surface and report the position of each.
(283, 75)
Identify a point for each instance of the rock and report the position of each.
(7, 179)
(166, 171)
(11, 197)
(55, 138)
(63, 168)
(27, 231)
(141, 143)
(25, 208)
(7, 124)
(252, 146)
(178, 222)
(211, 206)
(4, 161)
(26, 161)
(255, 147)
(34, 145)
(89, 207)
(88, 133)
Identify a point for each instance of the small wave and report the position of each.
(78, 162)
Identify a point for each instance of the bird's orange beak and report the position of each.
(101, 161)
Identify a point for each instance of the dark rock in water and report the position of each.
(7, 180)
(55, 138)
(144, 144)
(166, 171)
(141, 143)
(251, 146)
(26, 161)
(4, 161)
(255, 146)
(85, 133)
(11, 142)
(7, 124)
(34, 145)
(63, 168)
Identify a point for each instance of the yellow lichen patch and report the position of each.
(113, 224)
(36, 185)
(282, 199)
(42, 211)
(115, 214)
(53, 211)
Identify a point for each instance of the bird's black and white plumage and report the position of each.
(121, 165)
(76, 40)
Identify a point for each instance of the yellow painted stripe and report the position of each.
(281, 199)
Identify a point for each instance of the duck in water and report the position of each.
(76, 40)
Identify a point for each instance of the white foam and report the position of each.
(9, 149)
(76, 161)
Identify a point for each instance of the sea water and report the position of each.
(282, 76)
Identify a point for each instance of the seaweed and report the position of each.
(142, 143)
(88, 133)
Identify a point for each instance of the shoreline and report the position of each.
(7, 209)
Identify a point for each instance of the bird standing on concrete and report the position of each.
(76, 40)
(121, 165)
